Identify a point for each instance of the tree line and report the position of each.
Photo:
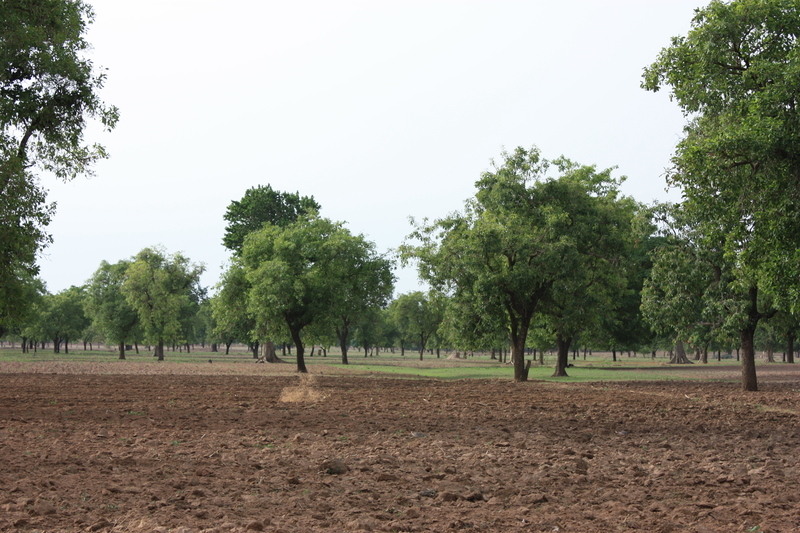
(547, 251)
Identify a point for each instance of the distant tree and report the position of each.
(418, 316)
(263, 205)
(366, 282)
(48, 93)
(107, 306)
(298, 274)
(233, 320)
(160, 287)
(63, 318)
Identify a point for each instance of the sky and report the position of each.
(381, 110)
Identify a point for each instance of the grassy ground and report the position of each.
(596, 367)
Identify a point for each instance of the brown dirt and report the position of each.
(191, 453)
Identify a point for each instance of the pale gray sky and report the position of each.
(380, 109)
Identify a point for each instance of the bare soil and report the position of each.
(193, 453)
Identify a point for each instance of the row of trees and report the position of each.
(544, 246)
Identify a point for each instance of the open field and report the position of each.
(89, 443)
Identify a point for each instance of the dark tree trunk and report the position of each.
(790, 347)
(341, 334)
(159, 351)
(614, 354)
(563, 356)
(519, 334)
(301, 363)
(228, 347)
(254, 348)
(122, 350)
(214, 347)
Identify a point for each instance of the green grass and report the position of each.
(595, 368)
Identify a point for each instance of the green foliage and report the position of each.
(48, 92)
(161, 288)
(263, 205)
(736, 74)
(62, 316)
(108, 307)
(229, 306)
(417, 316)
(312, 271)
(528, 243)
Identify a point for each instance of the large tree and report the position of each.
(160, 288)
(736, 74)
(48, 94)
(524, 232)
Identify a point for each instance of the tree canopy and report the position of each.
(263, 205)
(48, 93)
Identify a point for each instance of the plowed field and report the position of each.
(193, 453)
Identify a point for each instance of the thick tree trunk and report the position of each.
(159, 353)
(749, 379)
(614, 353)
(268, 353)
(214, 347)
(790, 347)
(122, 350)
(518, 337)
(254, 348)
(679, 356)
(563, 356)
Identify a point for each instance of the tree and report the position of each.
(736, 75)
(263, 205)
(366, 283)
(63, 318)
(160, 287)
(108, 307)
(299, 276)
(500, 259)
(418, 316)
(48, 93)
(230, 310)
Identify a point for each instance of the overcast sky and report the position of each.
(380, 109)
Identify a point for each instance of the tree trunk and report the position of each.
(301, 363)
(122, 350)
(518, 339)
(159, 350)
(614, 353)
(342, 334)
(679, 356)
(563, 356)
(268, 353)
(228, 347)
(749, 379)
(214, 347)
(790, 347)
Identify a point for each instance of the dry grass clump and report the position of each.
(307, 391)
